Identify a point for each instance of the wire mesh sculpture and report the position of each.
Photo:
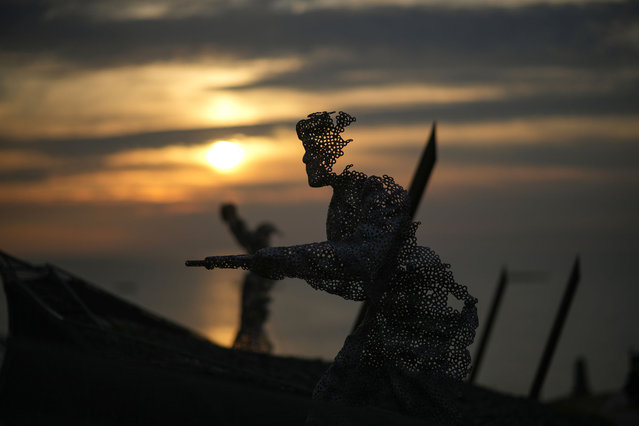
(411, 350)
(255, 299)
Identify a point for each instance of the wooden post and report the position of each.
(415, 192)
(562, 314)
(490, 322)
(423, 172)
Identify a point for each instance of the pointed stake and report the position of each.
(415, 192)
(423, 172)
(562, 314)
(485, 337)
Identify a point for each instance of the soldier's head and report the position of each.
(322, 144)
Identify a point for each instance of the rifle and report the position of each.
(233, 261)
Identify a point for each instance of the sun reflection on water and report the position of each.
(222, 335)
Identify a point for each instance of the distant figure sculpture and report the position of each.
(410, 351)
(631, 387)
(255, 291)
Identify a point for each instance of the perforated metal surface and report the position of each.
(410, 351)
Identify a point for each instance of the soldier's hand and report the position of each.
(229, 262)
(228, 212)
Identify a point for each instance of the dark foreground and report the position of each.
(77, 355)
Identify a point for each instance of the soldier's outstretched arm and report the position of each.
(315, 260)
(242, 261)
(322, 260)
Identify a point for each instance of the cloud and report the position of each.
(183, 96)
(512, 153)
(98, 146)
(146, 9)
(17, 159)
(24, 175)
(73, 77)
(402, 36)
(127, 99)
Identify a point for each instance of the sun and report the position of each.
(225, 155)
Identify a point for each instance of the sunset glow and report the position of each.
(126, 125)
(225, 155)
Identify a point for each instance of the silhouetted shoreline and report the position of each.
(79, 355)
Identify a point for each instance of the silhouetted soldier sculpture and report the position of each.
(255, 291)
(410, 351)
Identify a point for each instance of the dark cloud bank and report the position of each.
(348, 48)
(383, 37)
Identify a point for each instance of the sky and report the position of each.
(109, 107)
